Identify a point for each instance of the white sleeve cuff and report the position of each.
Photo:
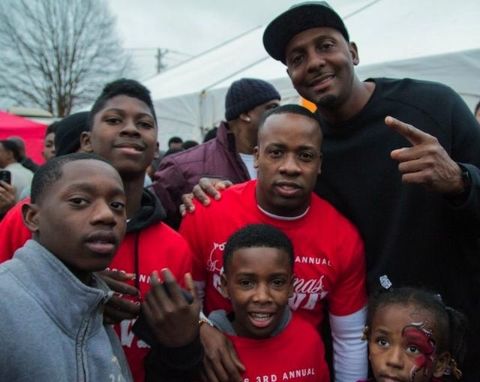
(350, 358)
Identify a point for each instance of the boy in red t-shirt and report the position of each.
(258, 278)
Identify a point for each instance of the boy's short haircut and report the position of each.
(122, 86)
(254, 236)
(51, 171)
(288, 109)
(69, 130)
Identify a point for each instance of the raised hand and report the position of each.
(426, 162)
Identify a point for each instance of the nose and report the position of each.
(130, 128)
(262, 294)
(315, 59)
(290, 166)
(103, 214)
(395, 357)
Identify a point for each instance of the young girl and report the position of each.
(413, 337)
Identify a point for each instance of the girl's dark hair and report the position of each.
(451, 325)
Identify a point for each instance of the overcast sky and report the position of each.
(189, 27)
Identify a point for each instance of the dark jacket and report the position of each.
(179, 173)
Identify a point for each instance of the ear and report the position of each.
(30, 217)
(245, 117)
(223, 284)
(85, 142)
(442, 365)
(255, 157)
(354, 53)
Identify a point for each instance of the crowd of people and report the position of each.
(291, 245)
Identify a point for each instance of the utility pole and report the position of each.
(160, 56)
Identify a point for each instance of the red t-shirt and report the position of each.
(159, 247)
(295, 354)
(329, 254)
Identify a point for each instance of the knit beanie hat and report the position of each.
(246, 94)
(68, 131)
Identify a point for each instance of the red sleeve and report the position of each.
(181, 261)
(190, 230)
(13, 232)
(349, 294)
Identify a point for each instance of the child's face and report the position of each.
(124, 132)
(259, 282)
(402, 344)
(81, 217)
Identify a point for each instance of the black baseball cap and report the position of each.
(296, 19)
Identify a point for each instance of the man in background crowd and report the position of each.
(228, 156)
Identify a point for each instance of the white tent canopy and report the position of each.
(435, 40)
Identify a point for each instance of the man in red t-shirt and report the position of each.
(329, 254)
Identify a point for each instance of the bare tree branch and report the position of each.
(58, 54)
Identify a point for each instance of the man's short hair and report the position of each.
(175, 140)
(12, 146)
(122, 86)
(257, 235)
(51, 172)
(289, 109)
(299, 18)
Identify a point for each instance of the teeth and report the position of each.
(261, 316)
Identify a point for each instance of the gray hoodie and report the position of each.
(51, 324)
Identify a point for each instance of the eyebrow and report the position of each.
(122, 111)
(117, 191)
(381, 331)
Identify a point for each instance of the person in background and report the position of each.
(7, 197)
(26, 162)
(189, 144)
(48, 151)
(477, 112)
(69, 131)
(228, 156)
(175, 143)
(211, 134)
(10, 159)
